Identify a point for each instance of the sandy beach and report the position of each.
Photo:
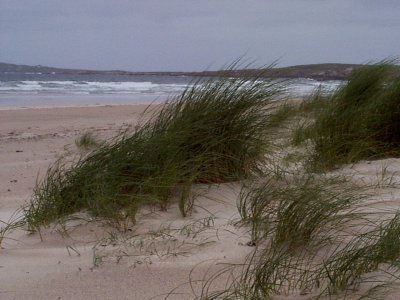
(164, 250)
(163, 254)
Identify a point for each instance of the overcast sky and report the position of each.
(185, 35)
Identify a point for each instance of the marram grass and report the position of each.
(215, 131)
(312, 241)
(86, 141)
(298, 210)
(220, 130)
(361, 120)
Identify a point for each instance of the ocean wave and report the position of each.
(295, 88)
(88, 87)
(303, 87)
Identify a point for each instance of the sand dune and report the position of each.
(162, 252)
(152, 259)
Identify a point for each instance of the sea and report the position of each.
(27, 90)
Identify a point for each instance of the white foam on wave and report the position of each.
(149, 91)
(303, 87)
(88, 87)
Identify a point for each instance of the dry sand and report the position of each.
(155, 257)
(162, 252)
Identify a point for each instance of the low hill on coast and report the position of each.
(326, 71)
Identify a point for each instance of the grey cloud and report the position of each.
(191, 35)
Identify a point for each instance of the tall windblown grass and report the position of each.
(313, 240)
(215, 131)
(363, 255)
(300, 210)
(312, 235)
(87, 141)
(361, 120)
(293, 219)
(337, 272)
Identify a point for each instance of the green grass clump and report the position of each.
(312, 241)
(363, 255)
(361, 120)
(86, 141)
(215, 131)
(337, 272)
(313, 237)
(300, 211)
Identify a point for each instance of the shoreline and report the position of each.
(31, 138)
(12, 108)
(24, 101)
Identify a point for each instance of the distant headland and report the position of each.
(328, 71)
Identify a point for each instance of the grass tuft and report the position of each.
(298, 211)
(215, 131)
(361, 120)
(87, 141)
(314, 240)
(364, 254)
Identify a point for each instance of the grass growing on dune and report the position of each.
(302, 210)
(338, 272)
(313, 240)
(87, 141)
(293, 218)
(361, 120)
(215, 131)
(366, 253)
